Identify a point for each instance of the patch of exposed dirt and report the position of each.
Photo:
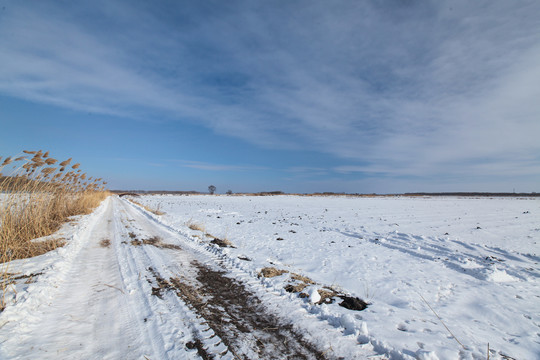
(245, 317)
(236, 315)
(353, 303)
(201, 351)
(154, 241)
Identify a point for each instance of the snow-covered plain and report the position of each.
(444, 277)
(473, 262)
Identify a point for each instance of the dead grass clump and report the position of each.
(196, 226)
(302, 278)
(222, 242)
(155, 240)
(295, 288)
(327, 296)
(270, 272)
(105, 243)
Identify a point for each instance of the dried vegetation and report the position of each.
(298, 283)
(37, 195)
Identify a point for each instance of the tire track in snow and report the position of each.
(316, 323)
(234, 315)
(81, 308)
(100, 301)
(178, 328)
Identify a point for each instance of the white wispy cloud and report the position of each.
(403, 88)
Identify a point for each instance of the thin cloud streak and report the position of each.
(400, 90)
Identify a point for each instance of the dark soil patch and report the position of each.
(353, 303)
(154, 241)
(237, 316)
(201, 351)
(235, 313)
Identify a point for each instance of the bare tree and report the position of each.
(229, 192)
(211, 189)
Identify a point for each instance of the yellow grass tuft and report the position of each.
(196, 226)
(270, 272)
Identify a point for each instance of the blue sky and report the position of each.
(298, 96)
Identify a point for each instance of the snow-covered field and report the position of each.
(474, 261)
(444, 277)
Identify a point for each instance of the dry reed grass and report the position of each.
(196, 226)
(36, 198)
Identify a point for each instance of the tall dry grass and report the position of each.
(37, 195)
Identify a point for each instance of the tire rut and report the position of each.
(236, 315)
(236, 319)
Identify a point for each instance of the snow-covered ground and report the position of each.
(444, 277)
(473, 262)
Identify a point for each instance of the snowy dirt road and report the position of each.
(128, 287)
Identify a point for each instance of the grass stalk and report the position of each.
(442, 322)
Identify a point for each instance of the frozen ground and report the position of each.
(444, 277)
(474, 261)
